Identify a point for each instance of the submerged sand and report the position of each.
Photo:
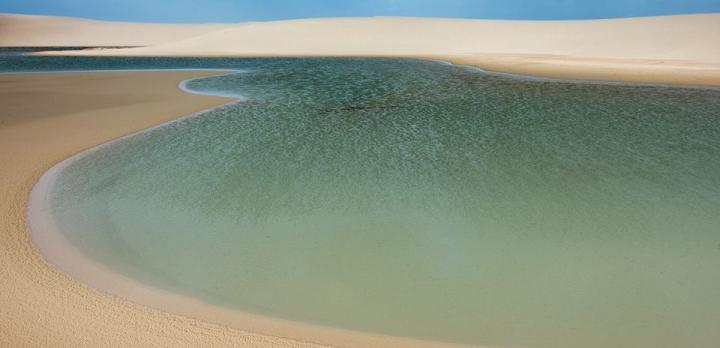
(680, 49)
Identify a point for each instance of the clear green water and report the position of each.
(417, 199)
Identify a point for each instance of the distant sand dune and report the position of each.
(694, 38)
(39, 31)
(680, 49)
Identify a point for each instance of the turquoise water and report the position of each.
(417, 199)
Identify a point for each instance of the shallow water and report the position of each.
(417, 199)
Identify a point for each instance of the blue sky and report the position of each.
(245, 10)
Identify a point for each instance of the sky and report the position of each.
(198, 11)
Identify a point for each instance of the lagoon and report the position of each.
(411, 198)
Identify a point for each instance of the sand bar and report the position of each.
(678, 49)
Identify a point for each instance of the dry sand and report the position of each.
(679, 49)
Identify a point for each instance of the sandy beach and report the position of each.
(678, 49)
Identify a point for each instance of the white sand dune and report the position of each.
(693, 37)
(680, 49)
(47, 31)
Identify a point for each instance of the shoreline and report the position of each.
(468, 62)
(52, 253)
(555, 68)
(594, 70)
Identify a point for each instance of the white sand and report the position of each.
(680, 49)
(39, 31)
(693, 38)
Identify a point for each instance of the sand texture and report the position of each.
(679, 49)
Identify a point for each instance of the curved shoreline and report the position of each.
(41, 305)
(58, 251)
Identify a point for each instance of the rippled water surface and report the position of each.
(417, 199)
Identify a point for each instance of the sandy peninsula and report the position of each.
(679, 49)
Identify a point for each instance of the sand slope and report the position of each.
(29, 31)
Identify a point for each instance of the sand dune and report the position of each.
(692, 38)
(39, 31)
(679, 49)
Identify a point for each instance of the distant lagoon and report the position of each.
(411, 198)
